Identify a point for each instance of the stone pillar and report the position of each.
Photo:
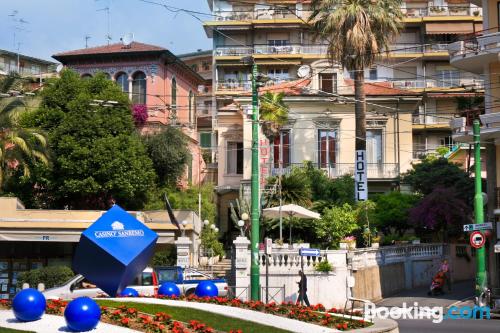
(241, 268)
(130, 95)
(183, 245)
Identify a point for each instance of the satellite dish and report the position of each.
(59, 68)
(201, 89)
(303, 71)
(127, 39)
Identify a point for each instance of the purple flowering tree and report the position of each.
(440, 210)
(140, 114)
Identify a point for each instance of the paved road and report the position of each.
(460, 291)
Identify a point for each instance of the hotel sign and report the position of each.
(360, 176)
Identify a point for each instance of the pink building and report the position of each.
(154, 77)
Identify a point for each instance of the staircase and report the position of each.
(222, 269)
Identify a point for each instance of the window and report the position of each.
(374, 146)
(206, 139)
(3, 65)
(35, 69)
(277, 42)
(373, 74)
(278, 74)
(122, 81)
(282, 142)
(173, 95)
(448, 78)
(327, 147)
(13, 66)
(447, 141)
(194, 67)
(190, 103)
(328, 82)
(205, 65)
(234, 158)
(139, 88)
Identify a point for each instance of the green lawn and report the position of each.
(10, 330)
(218, 322)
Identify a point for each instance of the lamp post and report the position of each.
(241, 223)
(184, 224)
(206, 223)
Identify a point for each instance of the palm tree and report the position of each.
(356, 31)
(295, 189)
(273, 114)
(19, 146)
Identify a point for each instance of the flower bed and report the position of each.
(316, 314)
(129, 317)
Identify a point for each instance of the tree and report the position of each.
(441, 210)
(98, 156)
(356, 31)
(336, 223)
(20, 147)
(295, 189)
(273, 114)
(170, 154)
(434, 173)
(392, 212)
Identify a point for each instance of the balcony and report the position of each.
(473, 53)
(376, 171)
(284, 49)
(436, 84)
(265, 49)
(246, 85)
(462, 10)
(428, 49)
(262, 14)
(420, 151)
(433, 120)
(233, 51)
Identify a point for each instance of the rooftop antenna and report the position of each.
(87, 37)
(107, 10)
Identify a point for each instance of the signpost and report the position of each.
(477, 239)
(360, 177)
(479, 226)
(268, 242)
(309, 252)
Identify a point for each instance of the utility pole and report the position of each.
(254, 267)
(478, 210)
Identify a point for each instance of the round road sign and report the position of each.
(477, 239)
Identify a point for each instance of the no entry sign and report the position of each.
(477, 239)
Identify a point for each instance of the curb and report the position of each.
(380, 326)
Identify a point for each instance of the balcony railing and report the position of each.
(420, 151)
(247, 84)
(475, 44)
(335, 170)
(284, 49)
(268, 49)
(430, 47)
(433, 119)
(262, 14)
(437, 83)
(233, 51)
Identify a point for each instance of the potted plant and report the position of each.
(475, 13)
(348, 243)
(415, 240)
(376, 242)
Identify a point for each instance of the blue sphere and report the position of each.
(129, 292)
(169, 289)
(206, 288)
(29, 305)
(82, 314)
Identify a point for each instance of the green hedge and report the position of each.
(51, 276)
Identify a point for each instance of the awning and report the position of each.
(62, 236)
(457, 28)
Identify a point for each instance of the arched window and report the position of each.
(122, 81)
(139, 88)
(191, 97)
(174, 95)
(86, 76)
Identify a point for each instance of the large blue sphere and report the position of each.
(82, 314)
(169, 289)
(206, 288)
(29, 305)
(129, 292)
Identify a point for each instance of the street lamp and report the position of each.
(184, 224)
(216, 230)
(241, 223)
(244, 216)
(206, 223)
(212, 226)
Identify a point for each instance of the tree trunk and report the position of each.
(360, 167)
(360, 109)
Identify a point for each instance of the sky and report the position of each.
(60, 25)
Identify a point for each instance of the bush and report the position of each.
(51, 276)
(323, 266)
(166, 257)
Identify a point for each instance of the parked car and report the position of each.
(187, 279)
(146, 284)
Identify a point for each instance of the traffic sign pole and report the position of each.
(478, 210)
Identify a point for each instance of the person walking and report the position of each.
(302, 289)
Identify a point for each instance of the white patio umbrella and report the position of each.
(290, 210)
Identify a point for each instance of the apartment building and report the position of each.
(412, 96)
(479, 53)
(201, 62)
(26, 66)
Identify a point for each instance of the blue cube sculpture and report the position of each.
(114, 250)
